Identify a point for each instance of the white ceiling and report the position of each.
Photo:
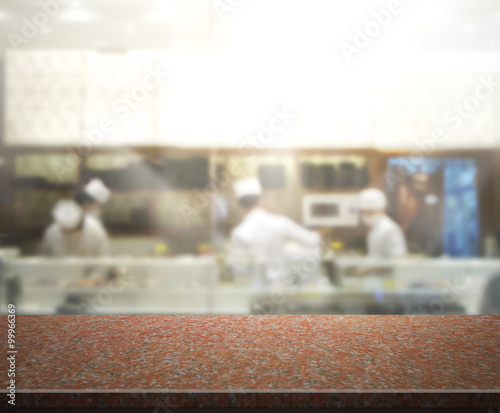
(116, 24)
(166, 24)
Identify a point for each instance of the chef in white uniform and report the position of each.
(263, 235)
(93, 197)
(385, 238)
(74, 233)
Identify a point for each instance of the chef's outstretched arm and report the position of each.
(302, 235)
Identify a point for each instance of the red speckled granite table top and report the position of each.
(258, 361)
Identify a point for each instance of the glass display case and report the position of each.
(109, 286)
(417, 286)
(214, 285)
(359, 285)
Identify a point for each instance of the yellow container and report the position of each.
(389, 283)
(161, 249)
(203, 248)
(336, 245)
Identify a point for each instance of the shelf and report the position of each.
(45, 189)
(333, 190)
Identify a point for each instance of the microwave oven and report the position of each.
(335, 210)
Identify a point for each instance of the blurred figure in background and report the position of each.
(263, 235)
(93, 197)
(490, 303)
(385, 238)
(74, 233)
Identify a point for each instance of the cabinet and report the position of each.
(208, 98)
(43, 97)
(191, 104)
(119, 89)
(419, 94)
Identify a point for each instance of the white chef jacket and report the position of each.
(91, 241)
(263, 235)
(386, 239)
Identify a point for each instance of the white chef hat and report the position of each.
(247, 186)
(373, 199)
(97, 190)
(67, 214)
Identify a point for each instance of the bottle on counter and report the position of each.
(490, 247)
(225, 273)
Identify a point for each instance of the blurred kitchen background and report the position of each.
(169, 102)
